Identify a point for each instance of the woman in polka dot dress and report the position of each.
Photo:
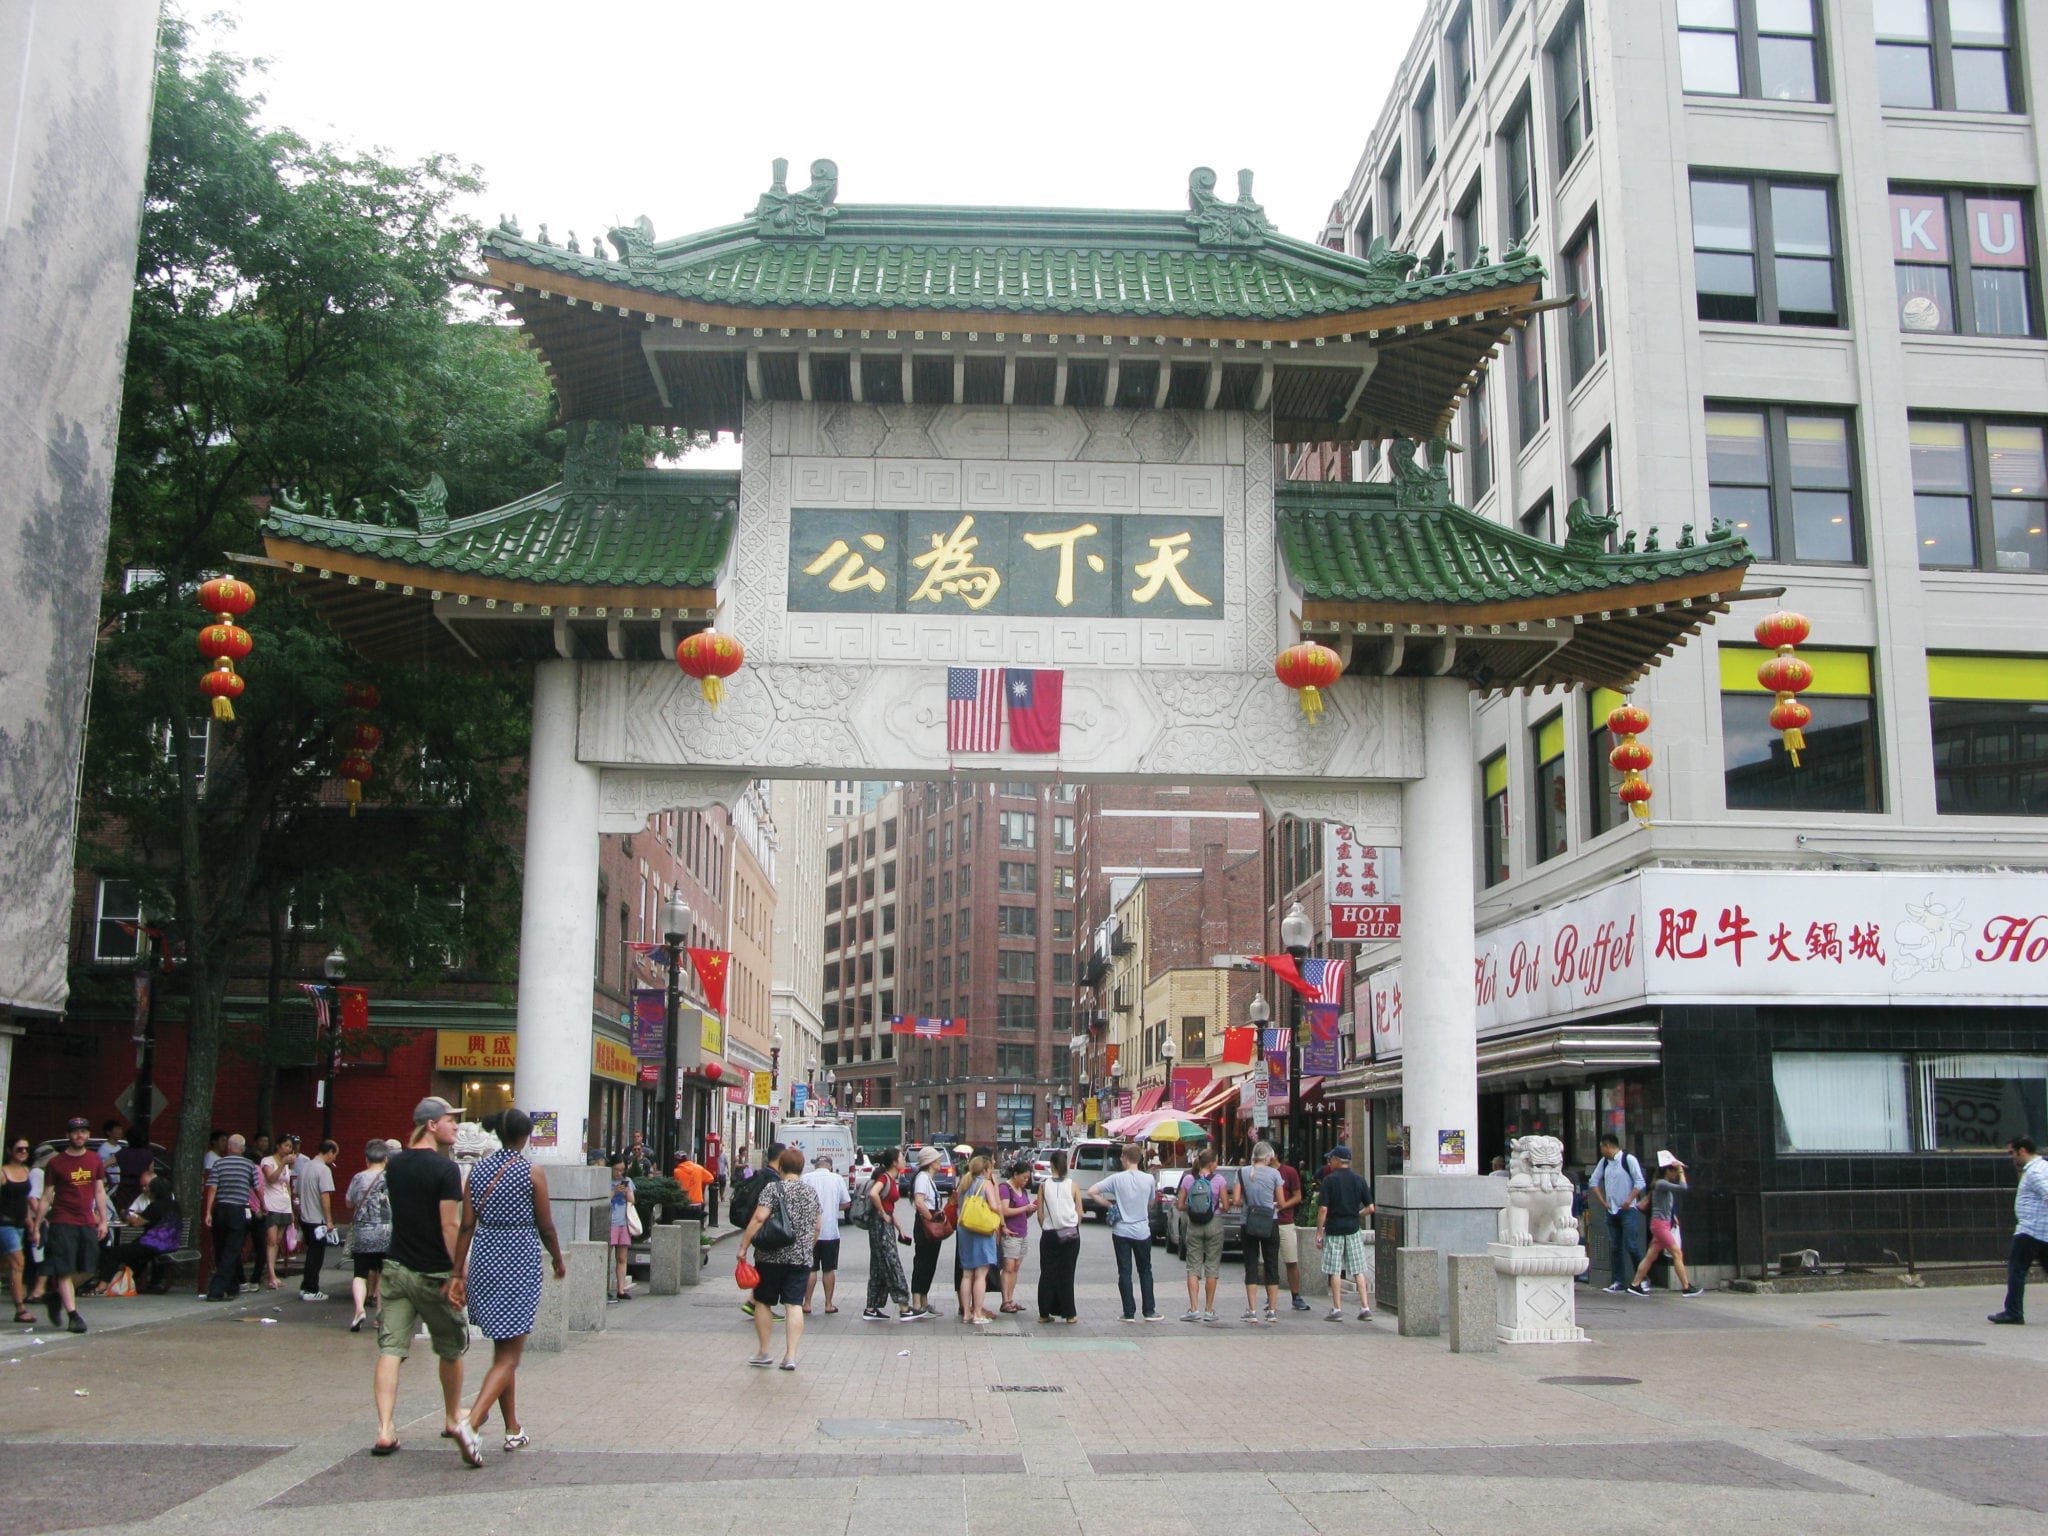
(506, 1221)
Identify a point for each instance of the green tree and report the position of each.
(298, 325)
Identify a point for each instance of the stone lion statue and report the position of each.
(1539, 1208)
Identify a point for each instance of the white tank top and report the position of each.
(1059, 1209)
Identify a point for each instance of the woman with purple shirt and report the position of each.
(1017, 1204)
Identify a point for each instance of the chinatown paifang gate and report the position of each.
(1035, 437)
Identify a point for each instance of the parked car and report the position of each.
(944, 1177)
(1232, 1218)
(1041, 1165)
(1167, 1186)
(1094, 1159)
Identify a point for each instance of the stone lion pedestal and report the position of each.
(1539, 1253)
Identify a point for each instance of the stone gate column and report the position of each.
(558, 918)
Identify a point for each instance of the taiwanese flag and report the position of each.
(1031, 697)
(711, 967)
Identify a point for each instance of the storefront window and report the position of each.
(1990, 721)
(1979, 1103)
(1839, 767)
(1841, 1101)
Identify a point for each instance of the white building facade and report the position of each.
(797, 999)
(1800, 245)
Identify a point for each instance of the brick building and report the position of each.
(862, 856)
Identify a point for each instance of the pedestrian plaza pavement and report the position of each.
(1850, 1411)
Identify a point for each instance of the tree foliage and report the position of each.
(299, 325)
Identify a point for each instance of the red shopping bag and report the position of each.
(746, 1276)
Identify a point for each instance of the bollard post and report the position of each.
(1473, 1325)
(1418, 1272)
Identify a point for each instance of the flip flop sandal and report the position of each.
(830, 1310)
(787, 1365)
(382, 1449)
(517, 1442)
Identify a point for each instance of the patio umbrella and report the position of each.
(1177, 1128)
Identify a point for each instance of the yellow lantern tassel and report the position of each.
(714, 691)
(1795, 743)
(352, 792)
(222, 709)
(1312, 703)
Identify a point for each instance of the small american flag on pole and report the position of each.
(323, 1014)
(974, 709)
(1326, 977)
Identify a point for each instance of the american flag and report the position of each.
(323, 1012)
(974, 709)
(1326, 978)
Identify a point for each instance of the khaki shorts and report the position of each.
(1290, 1243)
(1205, 1249)
(411, 1298)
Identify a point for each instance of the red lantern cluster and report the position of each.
(709, 657)
(224, 642)
(1785, 675)
(1309, 668)
(359, 740)
(1626, 722)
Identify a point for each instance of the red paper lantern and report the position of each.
(709, 656)
(1308, 668)
(223, 685)
(227, 597)
(228, 642)
(359, 695)
(1786, 676)
(713, 1071)
(1631, 757)
(355, 770)
(361, 736)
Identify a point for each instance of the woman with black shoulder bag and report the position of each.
(1059, 1243)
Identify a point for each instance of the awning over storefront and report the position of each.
(1149, 1098)
(1216, 1101)
(1564, 1050)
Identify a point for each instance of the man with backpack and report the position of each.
(1617, 1184)
(1201, 1200)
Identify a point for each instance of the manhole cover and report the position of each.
(1855, 1314)
(1948, 1343)
(1000, 1387)
(1592, 1381)
(892, 1429)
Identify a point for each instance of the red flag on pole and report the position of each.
(1284, 967)
(1034, 697)
(1239, 1045)
(711, 967)
(355, 1008)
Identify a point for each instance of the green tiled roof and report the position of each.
(1380, 543)
(1215, 260)
(651, 528)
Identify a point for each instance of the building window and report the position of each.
(889, 833)
(1785, 480)
(960, 973)
(1016, 829)
(1063, 922)
(1458, 65)
(1768, 49)
(1764, 251)
(1063, 880)
(966, 913)
(1493, 818)
(1016, 1012)
(1585, 325)
(1014, 876)
(1841, 1101)
(1952, 55)
(1518, 162)
(1603, 781)
(1017, 1061)
(835, 856)
(1016, 965)
(1573, 89)
(1980, 492)
(1478, 455)
(1425, 128)
(1532, 399)
(1465, 234)
(1839, 767)
(1194, 1037)
(1063, 970)
(1978, 285)
(1014, 1117)
(1540, 521)
(1593, 480)
(1390, 193)
(1990, 720)
(116, 925)
(889, 876)
(1547, 790)
(1017, 922)
(1063, 834)
(1980, 1103)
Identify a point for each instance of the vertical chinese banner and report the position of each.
(1362, 885)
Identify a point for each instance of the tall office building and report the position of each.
(862, 858)
(1799, 248)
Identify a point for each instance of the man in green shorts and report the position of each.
(420, 1286)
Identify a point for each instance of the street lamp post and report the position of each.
(149, 974)
(1260, 1013)
(336, 968)
(774, 1083)
(1295, 933)
(675, 929)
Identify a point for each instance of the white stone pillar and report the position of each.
(558, 919)
(1440, 1050)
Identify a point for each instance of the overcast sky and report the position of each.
(584, 113)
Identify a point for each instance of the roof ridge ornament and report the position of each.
(635, 242)
(1585, 531)
(1215, 222)
(429, 504)
(1415, 486)
(785, 215)
(1387, 267)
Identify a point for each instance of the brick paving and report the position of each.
(1746, 1413)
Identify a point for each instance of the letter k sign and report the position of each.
(1913, 232)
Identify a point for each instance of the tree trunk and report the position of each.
(203, 1005)
(273, 1015)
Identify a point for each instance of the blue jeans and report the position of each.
(1624, 1243)
(2026, 1253)
(1138, 1251)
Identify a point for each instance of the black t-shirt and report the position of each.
(417, 1182)
(1345, 1196)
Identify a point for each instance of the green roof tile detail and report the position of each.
(1403, 542)
(650, 528)
(802, 250)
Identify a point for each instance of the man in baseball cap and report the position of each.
(75, 1216)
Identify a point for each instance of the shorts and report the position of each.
(367, 1264)
(278, 1219)
(1345, 1254)
(11, 1239)
(782, 1285)
(1015, 1248)
(622, 1236)
(1664, 1234)
(410, 1298)
(1290, 1244)
(1203, 1250)
(69, 1250)
(825, 1259)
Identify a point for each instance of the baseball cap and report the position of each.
(430, 1109)
(1340, 1154)
(78, 1123)
(1666, 1158)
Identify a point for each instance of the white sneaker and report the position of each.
(1208, 1317)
